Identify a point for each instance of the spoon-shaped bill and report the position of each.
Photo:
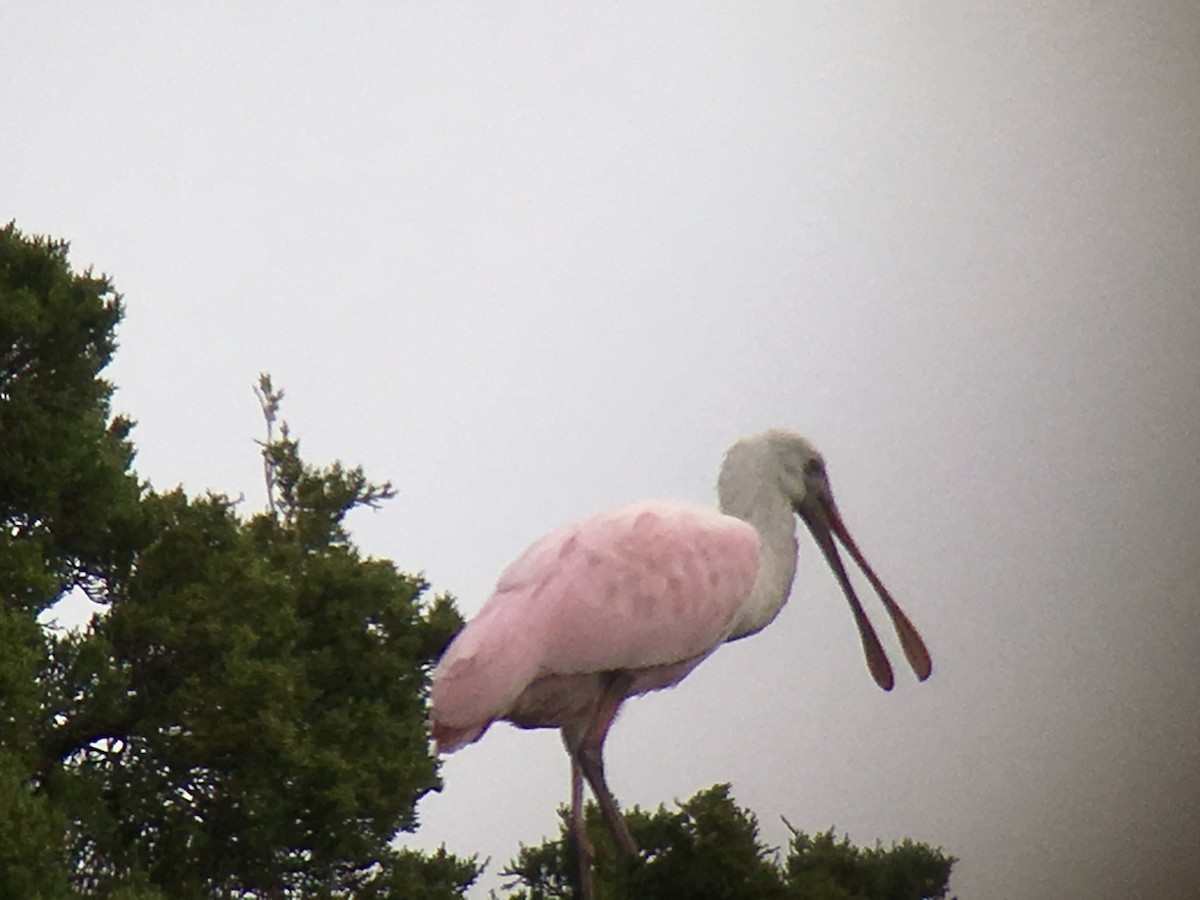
(824, 521)
(877, 661)
(910, 639)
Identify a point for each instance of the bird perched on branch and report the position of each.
(631, 600)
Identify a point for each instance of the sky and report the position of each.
(532, 260)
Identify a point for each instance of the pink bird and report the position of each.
(631, 600)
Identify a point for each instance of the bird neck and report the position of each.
(759, 502)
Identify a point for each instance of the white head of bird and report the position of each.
(764, 480)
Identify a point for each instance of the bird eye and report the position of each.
(814, 468)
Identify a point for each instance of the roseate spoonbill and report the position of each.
(631, 600)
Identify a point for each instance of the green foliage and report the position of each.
(64, 483)
(709, 849)
(32, 857)
(248, 717)
(410, 875)
(823, 868)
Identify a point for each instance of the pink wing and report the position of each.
(641, 586)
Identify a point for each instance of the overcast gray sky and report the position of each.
(529, 260)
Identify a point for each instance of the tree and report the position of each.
(709, 849)
(247, 717)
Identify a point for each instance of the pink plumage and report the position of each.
(634, 589)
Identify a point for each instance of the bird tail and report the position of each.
(447, 738)
(477, 680)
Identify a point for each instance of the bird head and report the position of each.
(805, 483)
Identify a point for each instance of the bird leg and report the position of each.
(593, 769)
(588, 754)
(584, 849)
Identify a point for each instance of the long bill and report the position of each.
(824, 521)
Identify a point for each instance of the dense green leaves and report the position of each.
(32, 859)
(65, 487)
(271, 694)
(821, 867)
(247, 717)
(709, 849)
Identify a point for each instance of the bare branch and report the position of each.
(268, 399)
